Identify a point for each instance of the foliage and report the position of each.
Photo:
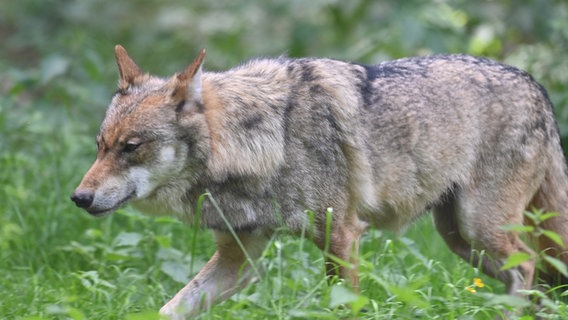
(57, 76)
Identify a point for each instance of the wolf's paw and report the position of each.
(169, 312)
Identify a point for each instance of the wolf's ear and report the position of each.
(188, 82)
(127, 68)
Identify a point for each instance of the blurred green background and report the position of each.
(57, 74)
(58, 54)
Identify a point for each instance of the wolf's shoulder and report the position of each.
(267, 65)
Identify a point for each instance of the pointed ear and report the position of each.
(188, 82)
(193, 68)
(127, 68)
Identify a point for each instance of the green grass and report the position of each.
(57, 262)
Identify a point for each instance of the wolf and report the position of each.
(471, 140)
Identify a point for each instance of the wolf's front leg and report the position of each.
(227, 272)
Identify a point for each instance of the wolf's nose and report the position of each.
(83, 199)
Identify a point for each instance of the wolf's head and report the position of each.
(145, 140)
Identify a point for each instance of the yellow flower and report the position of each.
(478, 283)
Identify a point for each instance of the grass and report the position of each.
(57, 262)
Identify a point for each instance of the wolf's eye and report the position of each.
(131, 146)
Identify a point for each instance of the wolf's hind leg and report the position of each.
(472, 218)
(227, 272)
(447, 226)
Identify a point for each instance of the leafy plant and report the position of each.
(537, 217)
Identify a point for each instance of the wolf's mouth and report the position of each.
(104, 212)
